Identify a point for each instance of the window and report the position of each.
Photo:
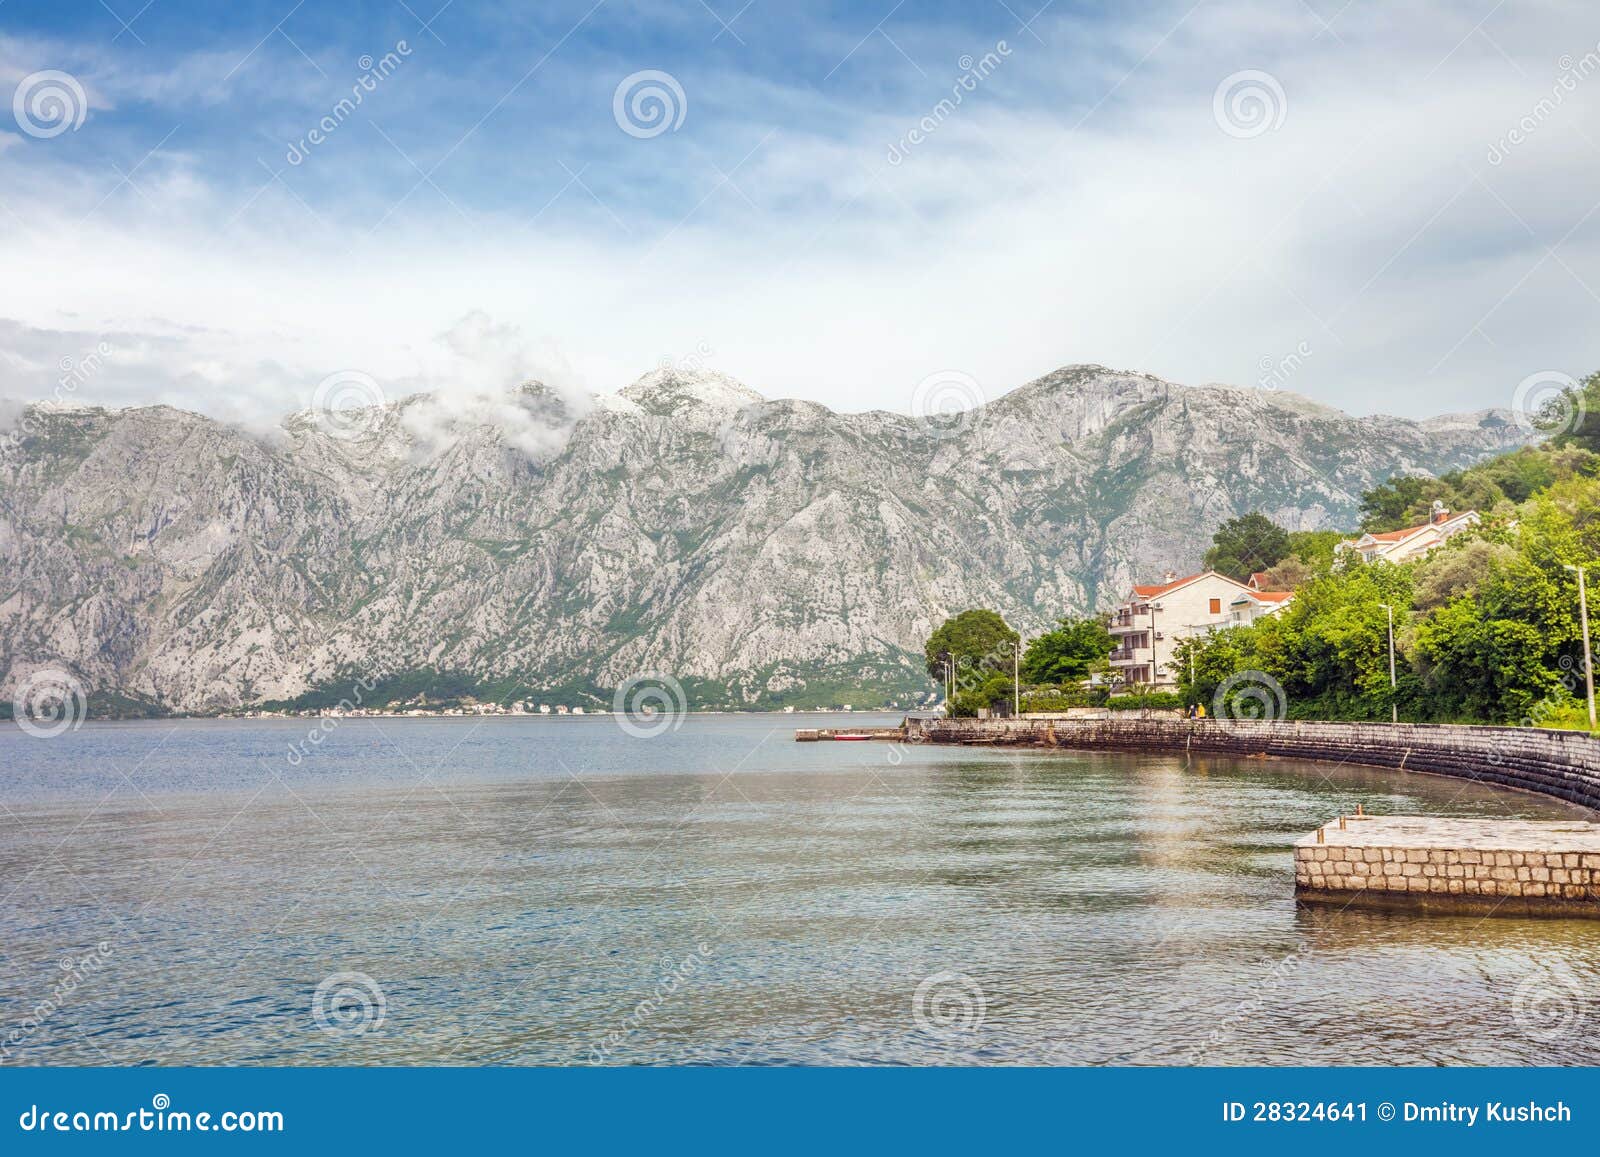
(1216, 606)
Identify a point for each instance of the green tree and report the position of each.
(1202, 662)
(1289, 574)
(1459, 569)
(991, 690)
(1403, 500)
(1328, 649)
(1492, 487)
(1520, 474)
(1315, 547)
(1574, 417)
(978, 648)
(1486, 627)
(1494, 669)
(1247, 544)
(1067, 653)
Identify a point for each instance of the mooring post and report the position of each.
(1319, 836)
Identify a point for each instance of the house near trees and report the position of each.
(1411, 542)
(1155, 617)
(1256, 602)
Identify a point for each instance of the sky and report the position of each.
(1390, 208)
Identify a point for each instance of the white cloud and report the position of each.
(471, 376)
(1371, 228)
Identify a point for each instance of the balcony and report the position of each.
(1137, 619)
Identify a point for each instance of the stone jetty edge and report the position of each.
(1499, 867)
(1562, 764)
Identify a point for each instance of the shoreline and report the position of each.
(309, 717)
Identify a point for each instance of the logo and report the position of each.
(47, 104)
(1548, 403)
(49, 702)
(1549, 1004)
(649, 704)
(949, 1004)
(349, 1004)
(649, 103)
(1248, 104)
(1248, 697)
(948, 402)
(348, 404)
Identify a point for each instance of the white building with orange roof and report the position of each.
(1256, 602)
(1411, 542)
(1155, 617)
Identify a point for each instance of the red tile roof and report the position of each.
(1263, 597)
(1147, 592)
(1407, 532)
(1150, 591)
(1397, 535)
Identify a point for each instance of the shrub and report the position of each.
(1155, 699)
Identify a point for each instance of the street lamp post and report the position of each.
(1588, 663)
(1394, 705)
(1154, 674)
(1016, 679)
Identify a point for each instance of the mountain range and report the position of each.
(764, 552)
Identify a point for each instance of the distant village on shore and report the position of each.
(545, 710)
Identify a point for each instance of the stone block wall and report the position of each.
(1448, 871)
(1563, 764)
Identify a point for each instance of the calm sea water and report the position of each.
(555, 891)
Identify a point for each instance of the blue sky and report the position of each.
(817, 224)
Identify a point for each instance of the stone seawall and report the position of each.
(1503, 867)
(1563, 764)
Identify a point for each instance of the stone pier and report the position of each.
(1563, 764)
(1499, 867)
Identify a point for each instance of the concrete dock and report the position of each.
(1468, 866)
(822, 734)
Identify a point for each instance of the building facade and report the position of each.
(1257, 602)
(1411, 542)
(1251, 606)
(1155, 617)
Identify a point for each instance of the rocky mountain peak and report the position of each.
(667, 391)
(792, 553)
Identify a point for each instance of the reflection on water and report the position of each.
(554, 891)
